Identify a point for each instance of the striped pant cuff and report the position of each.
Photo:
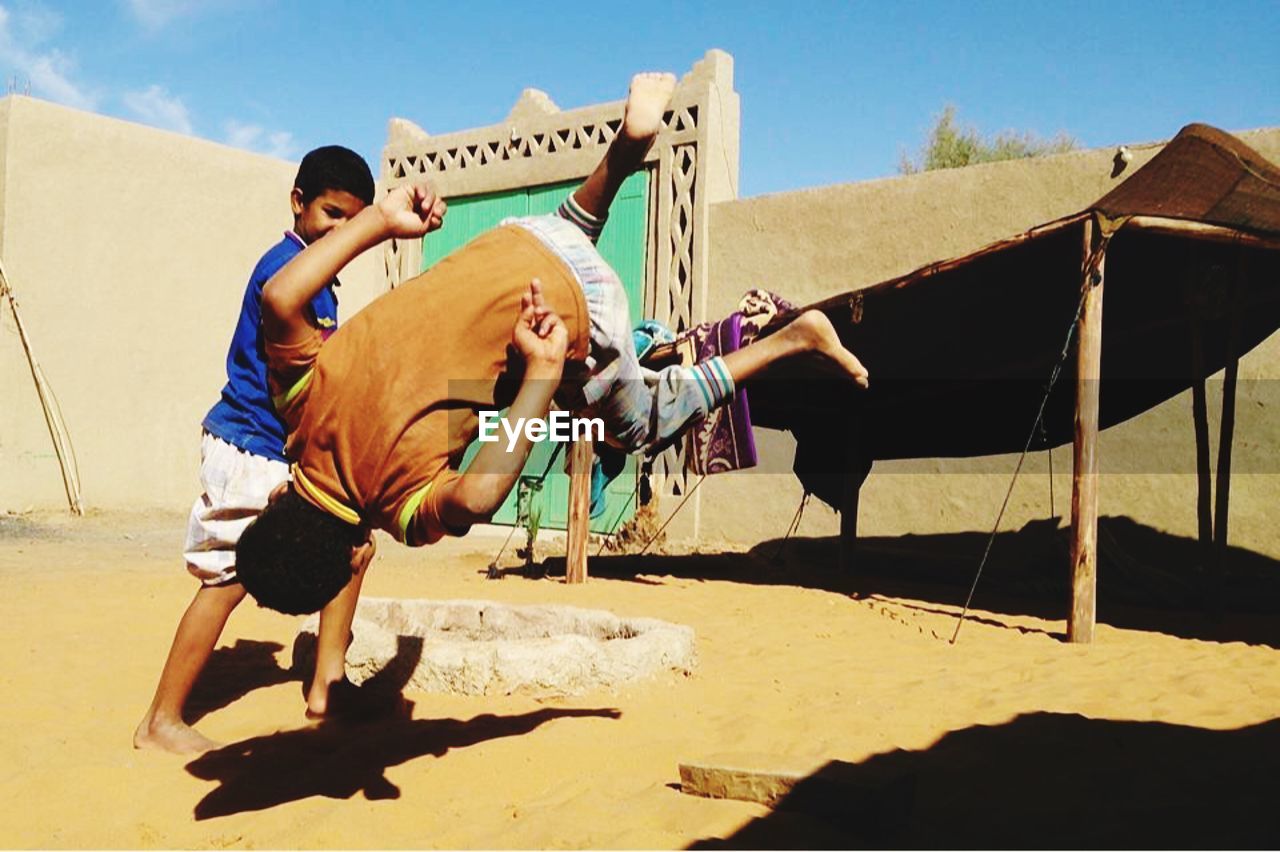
(714, 381)
(586, 222)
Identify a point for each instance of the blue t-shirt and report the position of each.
(245, 416)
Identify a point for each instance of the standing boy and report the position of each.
(242, 459)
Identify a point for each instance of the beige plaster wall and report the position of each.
(815, 243)
(5, 106)
(129, 248)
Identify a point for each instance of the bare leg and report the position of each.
(641, 121)
(162, 727)
(331, 646)
(810, 333)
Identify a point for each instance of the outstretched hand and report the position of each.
(412, 210)
(539, 334)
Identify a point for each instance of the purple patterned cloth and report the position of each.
(724, 440)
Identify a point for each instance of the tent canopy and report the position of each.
(960, 351)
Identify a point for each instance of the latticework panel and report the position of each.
(673, 471)
(676, 306)
(680, 229)
(463, 159)
(518, 147)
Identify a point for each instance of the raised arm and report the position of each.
(541, 339)
(407, 211)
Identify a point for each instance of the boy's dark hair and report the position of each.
(334, 167)
(295, 558)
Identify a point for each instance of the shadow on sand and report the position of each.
(336, 760)
(1147, 579)
(1041, 781)
(232, 673)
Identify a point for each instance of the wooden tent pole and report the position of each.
(1084, 482)
(580, 455)
(1226, 435)
(1200, 417)
(856, 469)
(852, 486)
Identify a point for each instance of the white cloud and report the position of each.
(252, 137)
(157, 107)
(36, 24)
(49, 71)
(155, 15)
(242, 135)
(280, 144)
(28, 53)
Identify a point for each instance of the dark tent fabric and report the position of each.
(1202, 175)
(960, 352)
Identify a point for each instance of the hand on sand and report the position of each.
(412, 210)
(347, 702)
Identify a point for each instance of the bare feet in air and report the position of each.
(813, 332)
(174, 737)
(646, 101)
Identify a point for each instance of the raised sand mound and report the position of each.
(478, 647)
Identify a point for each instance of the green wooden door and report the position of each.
(623, 246)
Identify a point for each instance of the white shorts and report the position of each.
(236, 484)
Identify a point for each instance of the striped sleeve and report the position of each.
(289, 372)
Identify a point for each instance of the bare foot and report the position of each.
(174, 737)
(646, 100)
(813, 332)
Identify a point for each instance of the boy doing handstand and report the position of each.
(378, 413)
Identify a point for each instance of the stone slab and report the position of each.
(828, 788)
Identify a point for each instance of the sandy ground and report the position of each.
(1149, 737)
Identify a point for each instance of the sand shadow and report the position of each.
(1147, 579)
(337, 760)
(1041, 781)
(339, 757)
(232, 673)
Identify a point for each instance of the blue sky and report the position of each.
(831, 92)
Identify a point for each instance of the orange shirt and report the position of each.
(379, 413)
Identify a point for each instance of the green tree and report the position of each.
(951, 145)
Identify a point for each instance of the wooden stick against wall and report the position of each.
(62, 447)
(1084, 481)
(580, 455)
